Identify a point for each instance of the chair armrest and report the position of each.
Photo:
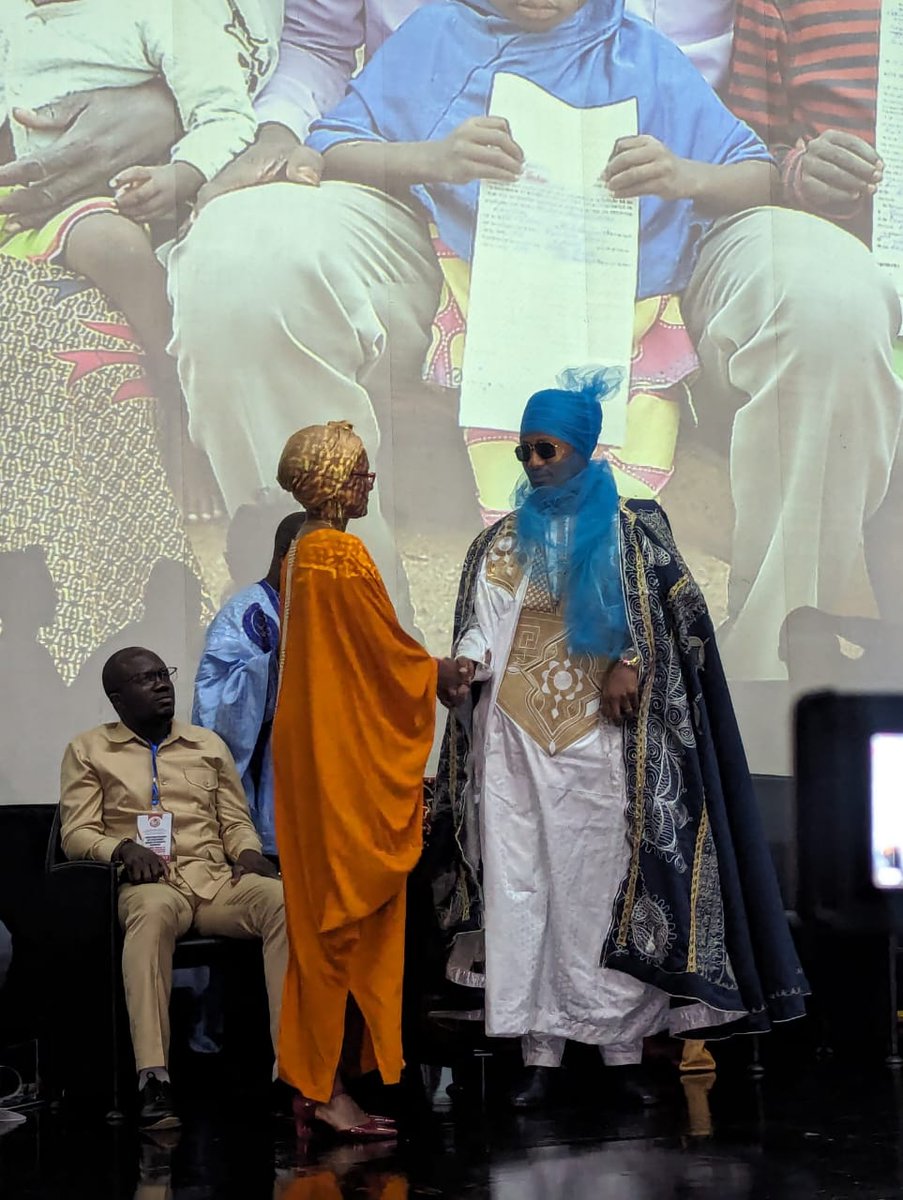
(83, 973)
(81, 906)
(84, 867)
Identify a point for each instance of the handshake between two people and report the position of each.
(619, 700)
(455, 678)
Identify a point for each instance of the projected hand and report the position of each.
(620, 693)
(155, 193)
(480, 148)
(97, 135)
(644, 166)
(837, 172)
(304, 166)
(141, 865)
(275, 156)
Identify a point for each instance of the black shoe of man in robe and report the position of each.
(536, 1090)
(631, 1088)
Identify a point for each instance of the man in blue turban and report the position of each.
(596, 854)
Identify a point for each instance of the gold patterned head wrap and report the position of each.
(316, 464)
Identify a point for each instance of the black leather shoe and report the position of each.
(632, 1088)
(535, 1090)
(157, 1110)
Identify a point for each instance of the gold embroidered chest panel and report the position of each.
(548, 693)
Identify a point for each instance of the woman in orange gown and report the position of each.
(352, 733)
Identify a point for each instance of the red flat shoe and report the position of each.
(303, 1110)
(369, 1131)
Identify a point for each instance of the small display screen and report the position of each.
(887, 809)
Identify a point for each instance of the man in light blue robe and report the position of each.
(235, 688)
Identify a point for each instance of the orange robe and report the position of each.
(351, 737)
(323, 1184)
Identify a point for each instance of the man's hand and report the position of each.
(251, 862)
(837, 171)
(275, 155)
(620, 693)
(467, 668)
(480, 148)
(156, 193)
(99, 133)
(141, 865)
(644, 166)
(455, 678)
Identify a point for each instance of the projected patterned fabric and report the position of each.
(82, 474)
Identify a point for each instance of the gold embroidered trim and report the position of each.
(678, 588)
(468, 584)
(646, 689)
(286, 609)
(503, 567)
(701, 836)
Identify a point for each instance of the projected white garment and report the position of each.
(704, 30)
(213, 58)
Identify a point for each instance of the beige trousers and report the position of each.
(154, 915)
(794, 324)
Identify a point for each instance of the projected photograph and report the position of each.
(260, 217)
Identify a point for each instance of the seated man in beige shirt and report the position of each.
(149, 779)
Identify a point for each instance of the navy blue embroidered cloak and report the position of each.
(698, 914)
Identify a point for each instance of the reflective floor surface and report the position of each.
(816, 1131)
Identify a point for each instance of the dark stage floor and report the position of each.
(829, 1134)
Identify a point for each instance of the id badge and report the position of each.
(155, 833)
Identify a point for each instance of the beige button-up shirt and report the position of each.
(106, 783)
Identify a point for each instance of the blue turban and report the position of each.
(572, 412)
(588, 563)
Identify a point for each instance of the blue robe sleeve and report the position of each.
(404, 89)
(691, 119)
(234, 691)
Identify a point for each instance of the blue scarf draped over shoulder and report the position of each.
(575, 526)
(437, 71)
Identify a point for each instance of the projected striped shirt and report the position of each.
(803, 66)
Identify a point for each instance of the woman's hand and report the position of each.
(455, 678)
(480, 148)
(620, 693)
(99, 134)
(276, 155)
(644, 166)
